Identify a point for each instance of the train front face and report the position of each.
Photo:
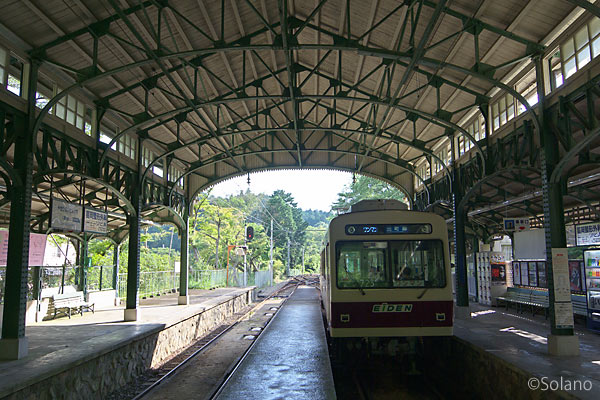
(390, 275)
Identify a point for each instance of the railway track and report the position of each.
(150, 381)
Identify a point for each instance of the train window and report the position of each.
(361, 264)
(417, 263)
(412, 264)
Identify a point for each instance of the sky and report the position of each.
(312, 189)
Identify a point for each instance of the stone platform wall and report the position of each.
(462, 370)
(96, 378)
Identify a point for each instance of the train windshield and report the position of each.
(390, 264)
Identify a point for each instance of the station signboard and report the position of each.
(95, 221)
(587, 234)
(65, 216)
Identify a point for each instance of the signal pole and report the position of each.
(271, 253)
(287, 266)
(245, 251)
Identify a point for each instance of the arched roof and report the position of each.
(219, 89)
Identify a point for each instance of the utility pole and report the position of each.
(287, 267)
(302, 260)
(271, 253)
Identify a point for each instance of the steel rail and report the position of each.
(176, 369)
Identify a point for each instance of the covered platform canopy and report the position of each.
(477, 110)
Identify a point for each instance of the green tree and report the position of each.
(364, 188)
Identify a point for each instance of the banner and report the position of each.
(65, 216)
(95, 221)
(37, 247)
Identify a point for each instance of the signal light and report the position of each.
(249, 233)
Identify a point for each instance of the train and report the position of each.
(386, 273)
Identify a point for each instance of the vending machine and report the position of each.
(591, 259)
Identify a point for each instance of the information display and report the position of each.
(65, 216)
(560, 269)
(387, 229)
(95, 221)
(587, 234)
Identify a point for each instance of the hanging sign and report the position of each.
(587, 234)
(65, 216)
(516, 224)
(95, 221)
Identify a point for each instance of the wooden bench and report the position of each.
(65, 304)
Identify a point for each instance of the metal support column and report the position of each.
(562, 340)
(460, 247)
(115, 274)
(84, 265)
(13, 344)
(133, 260)
(184, 264)
(475, 251)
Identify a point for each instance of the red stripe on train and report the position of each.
(391, 314)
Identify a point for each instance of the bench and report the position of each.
(579, 305)
(534, 299)
(537, 299)
(65, 304)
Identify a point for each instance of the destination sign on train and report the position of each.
(387, 229)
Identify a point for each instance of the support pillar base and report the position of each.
(462, 312)
(563, 345)
(14, 349)
(183, 300)
(132, 314)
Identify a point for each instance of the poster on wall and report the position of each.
(516, 273)
(524, 275)
(95, 221)
(37, 247)
(541, 270)
(533, 273)
(560, 270)
(575, 276)
(65, 216)
(498, 274)
(563, 315)
(587, 234)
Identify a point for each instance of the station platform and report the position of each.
(89, 356)
(290, 359)
(519, 340)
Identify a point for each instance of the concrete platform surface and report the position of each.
(290, 359)
(60, 344)
(521, 340)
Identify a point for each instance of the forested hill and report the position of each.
(315, 217)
